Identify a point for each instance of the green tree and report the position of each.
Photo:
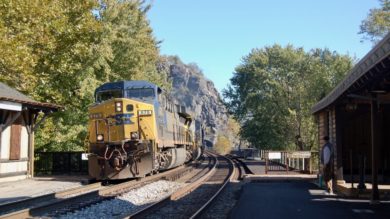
(377, 23)
(59, 51)
(128, 38)
(273, 90)
(46, 49)
(222, 146)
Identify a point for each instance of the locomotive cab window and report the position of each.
(108, 94)
(141, 93)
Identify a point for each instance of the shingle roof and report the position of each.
(9, 94)
(379, 53)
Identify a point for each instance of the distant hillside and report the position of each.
(193, 90)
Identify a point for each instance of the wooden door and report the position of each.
(15, 144)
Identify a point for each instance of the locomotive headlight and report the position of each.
(118, 106)
(145, 112)
(134, 135)
(100, 137)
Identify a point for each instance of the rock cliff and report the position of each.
(201, 99)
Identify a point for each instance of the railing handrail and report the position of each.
(285, 158)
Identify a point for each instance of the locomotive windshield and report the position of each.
(140, 93)
(108, 94)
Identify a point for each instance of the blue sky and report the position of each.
(216, 34)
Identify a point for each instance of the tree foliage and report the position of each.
(377, 23)
(59, 51)
(273, 90)
(222, 146)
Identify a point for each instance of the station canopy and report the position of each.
(371, 74)
(11, 99)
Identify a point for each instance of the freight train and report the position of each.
(135, 129)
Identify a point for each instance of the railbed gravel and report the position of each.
(225, 202)
(185, 206)
(220, 208)
(128, 202)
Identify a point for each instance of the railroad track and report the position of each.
(40, 200)
(55, 204)
(244, 169)
(192, 200)
(240, 171)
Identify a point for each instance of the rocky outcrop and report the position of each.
(201, 99)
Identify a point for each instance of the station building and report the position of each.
(20, 116)
(356, 117)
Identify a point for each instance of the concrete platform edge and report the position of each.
(265, 177)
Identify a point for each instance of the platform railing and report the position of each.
(301, 161)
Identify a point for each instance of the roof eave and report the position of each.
(33, 104)
(375, 56)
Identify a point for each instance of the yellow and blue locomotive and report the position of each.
(135, 129)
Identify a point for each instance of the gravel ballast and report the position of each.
(128, 202)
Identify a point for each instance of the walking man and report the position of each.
(327, 164)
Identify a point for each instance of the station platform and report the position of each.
(301, 199)
(22, 189)
(256, 166)
(346, 189)
(292, 194)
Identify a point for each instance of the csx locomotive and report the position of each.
(135, 130)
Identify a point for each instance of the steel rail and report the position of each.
(187, 189)
(13, 206)
(227, 180)
(104, 192)
(240, 173)
(191, 187)
(240, 169)
(202, 171)
(244, 166)
(179, 193)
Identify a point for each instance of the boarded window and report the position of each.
(16, 130)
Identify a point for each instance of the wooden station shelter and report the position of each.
(356, 117)
(19, 119)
